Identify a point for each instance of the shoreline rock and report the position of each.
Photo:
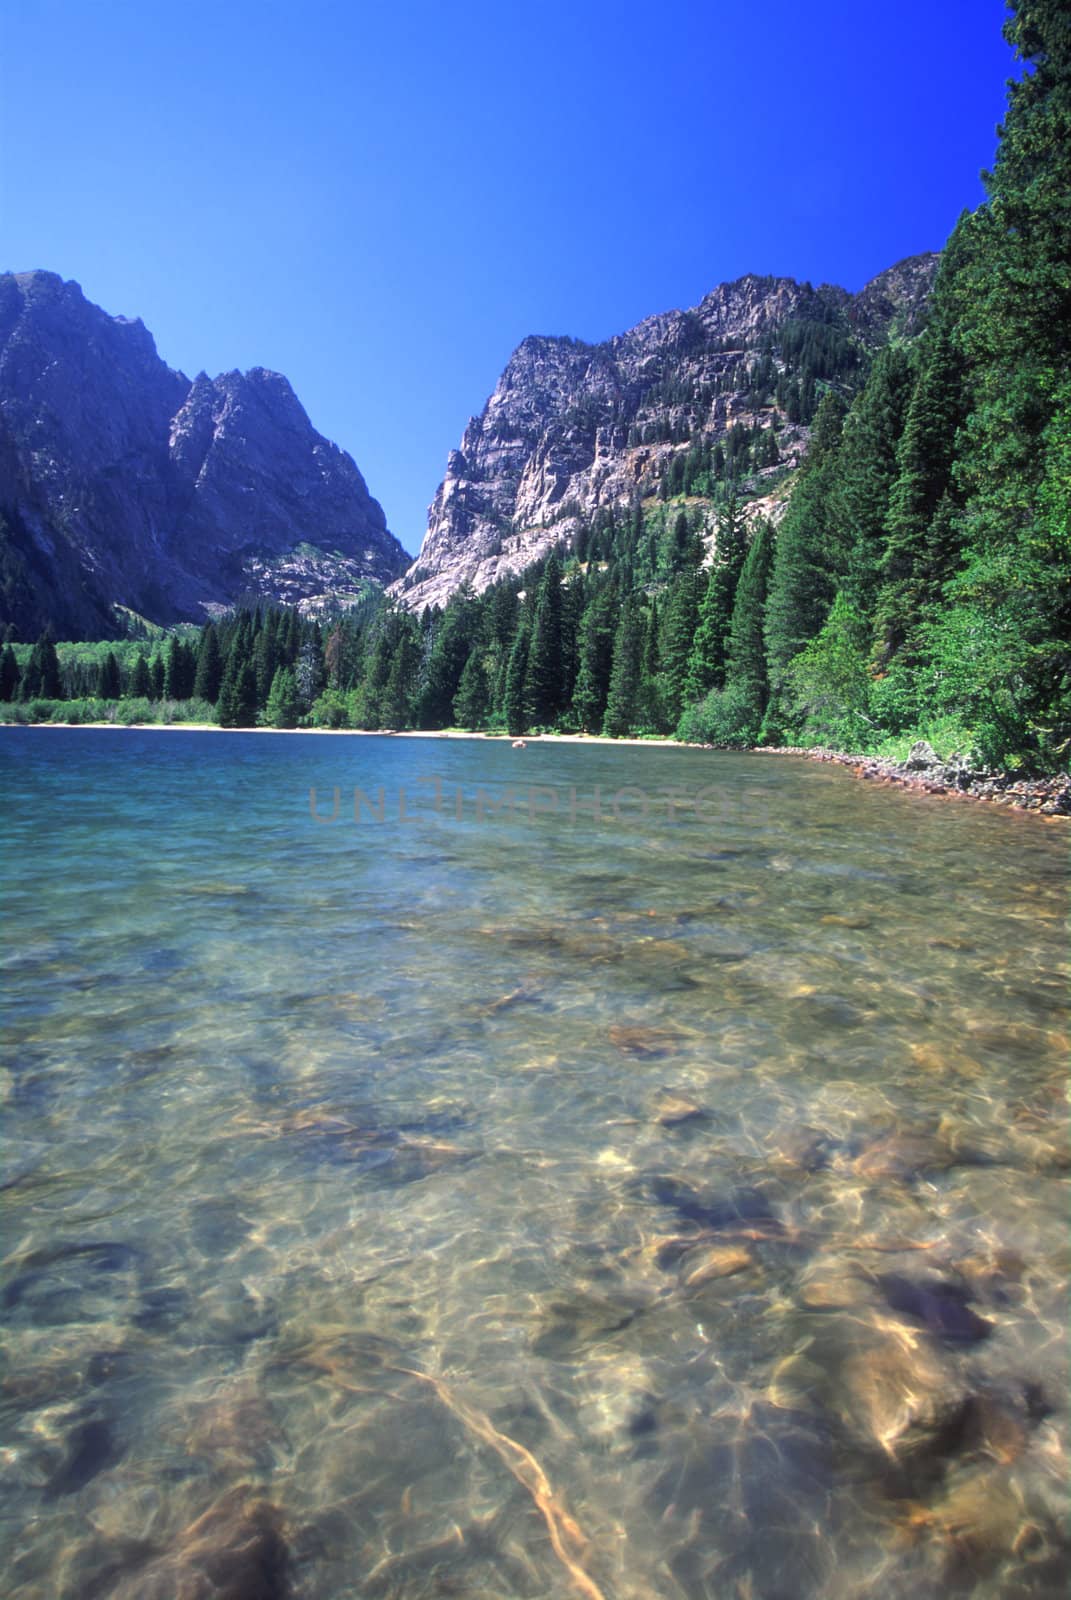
(926, 771)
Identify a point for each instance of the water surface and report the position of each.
(526, 1202)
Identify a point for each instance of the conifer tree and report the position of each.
(451, 646)
(9, 675)
(266, 656)
(472, 701)
(399, 694)
(706, 661)
(42, 676)
(596, 652)
(622, 701)
(746, 657)
(237, 704)
(282, 709)
(140, 680)
(650, 710)
(109, 684)
(866, 470)
(543, 668)
(180, 671)
(679, 626)
(925, 457)
(157, 676)
(209, 674)
(807, 558)
(515, 706)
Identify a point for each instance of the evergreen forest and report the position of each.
(918, 583)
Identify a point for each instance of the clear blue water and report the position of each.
(519, 1201)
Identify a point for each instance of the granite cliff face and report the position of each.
(573, 427)
(124, 484)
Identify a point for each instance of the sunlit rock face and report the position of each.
(124, 484)
(571, 427)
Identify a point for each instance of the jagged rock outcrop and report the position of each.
(572, 427)
(124, 484)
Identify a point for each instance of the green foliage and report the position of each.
(828, 684)
(282, 708)
(623, 697)
(919, 583)
(723, 717)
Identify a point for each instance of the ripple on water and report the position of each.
(528, 1209)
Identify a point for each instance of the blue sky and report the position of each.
(381, 200)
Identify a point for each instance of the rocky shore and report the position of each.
(924, 769)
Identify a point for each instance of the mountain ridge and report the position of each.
(123, 482)
(569, 426)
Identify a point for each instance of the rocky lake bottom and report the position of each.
(582, 1172)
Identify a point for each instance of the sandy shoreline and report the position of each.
(371, 733)
(1044, 797)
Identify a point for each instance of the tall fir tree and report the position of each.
(109, 681)
(706, 661)
(140, 680)
(925, 456)
(596, 653)
(809, 556)
(543, 668)
(622, 700)
(9, 675)
(209, 674)
(746, 657)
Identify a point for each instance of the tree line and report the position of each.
(918, 584)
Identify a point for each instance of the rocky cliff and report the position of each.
(124, 484)
(573, 427)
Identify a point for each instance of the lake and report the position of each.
(586, 1171)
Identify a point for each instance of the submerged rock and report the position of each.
(672, 1109)
(741, 1206)
(91, 1447)
(644, 1043)
(235, 1551)
(942, 1308)
(719, 1261)
(902, 1157)
(887, 1389)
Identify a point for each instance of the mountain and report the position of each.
(124, 484)
(571, 427)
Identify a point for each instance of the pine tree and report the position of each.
(180, 671)
(209, 674)
(472, 701)
(706, 661)
(451, 647)
(9, 676)
(925, 457)
(515, 707)
(622, 701)
(109, 683)
(281, 709)
(266, 656)
(140, 679)
(866, 471)
(808, 557)
(401, 686)
(650, 710)
(157, 675)
(237, 705)
(596, 652)
(543, 669)
(681, 620)
(41, 680)
(746, 659)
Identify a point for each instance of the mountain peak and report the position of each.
(124, 483)
(573, 428)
